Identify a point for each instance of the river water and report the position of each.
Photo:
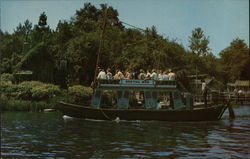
(50, 135)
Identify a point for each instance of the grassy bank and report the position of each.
(25, 105)
(37, 96)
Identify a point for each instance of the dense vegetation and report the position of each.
(67, 56)
(36, 96)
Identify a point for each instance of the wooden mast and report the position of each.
(100, 44)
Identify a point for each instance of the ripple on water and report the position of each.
(49, 136)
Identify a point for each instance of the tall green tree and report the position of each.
(42, 20)
(10, 51)
(68, 54)
(41, 31)
(234, 61)
(198, 42)
(24, 29)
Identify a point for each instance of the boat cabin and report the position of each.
(142, 94)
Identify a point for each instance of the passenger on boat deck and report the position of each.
(109, 74)
(160, 75)
(171, 75)
(165, 75)
(102, 75)
(128, 74)
(142, 75)
(118, 75)
(148, 75)
(134, 74)
(154, 75)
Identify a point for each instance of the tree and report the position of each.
(199, 42)
(234, 61)
(24, 29)
(39, 61)
(42, 20)
(112, 16)
(10, 49)
(86, 18)
(41, 31)
(69, 53)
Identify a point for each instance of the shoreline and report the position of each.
(27, 105)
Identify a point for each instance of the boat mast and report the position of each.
(100, 43)
(196, 80)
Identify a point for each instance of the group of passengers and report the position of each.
(154, 75)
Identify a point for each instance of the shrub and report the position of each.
(6, 78)
(45, 91)
(30, 90)
(80, 93)
(8, 89)
(25, 105)
(24, 89)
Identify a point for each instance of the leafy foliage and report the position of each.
(80, 93)
(199, 42)
(6, 78)
(67, 56)
(234, 61)
(30, 90)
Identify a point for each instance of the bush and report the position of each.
(30, 90)
(35, 95)
(8, 90)
(80, 93)
(6, 78)
(24, 89)
(25, 105)
(45, 91)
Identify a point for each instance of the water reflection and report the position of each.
(48, 135)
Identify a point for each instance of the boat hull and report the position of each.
(87, 112)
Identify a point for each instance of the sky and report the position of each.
(221, 20)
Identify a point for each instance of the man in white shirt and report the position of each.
(203, 86)
(204, 90)
(153, 76)
(102, 75)
(171, 75)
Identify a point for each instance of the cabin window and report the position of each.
(108, 99)
(176, 95)
(147, 94)
(97, 93)
(119, 94)
(154, 94)
(126, 94)
(164, 99)
(136, 99)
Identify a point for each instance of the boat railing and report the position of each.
(137, 83)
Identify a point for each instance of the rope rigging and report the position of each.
(134, 26)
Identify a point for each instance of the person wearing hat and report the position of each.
(160, 75)
(165, 75)
(141, 75)
(154, 75)
(171, 75)
(109, 74)
(102, 74)
(148, 75)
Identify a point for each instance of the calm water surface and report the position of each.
(49, 135)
